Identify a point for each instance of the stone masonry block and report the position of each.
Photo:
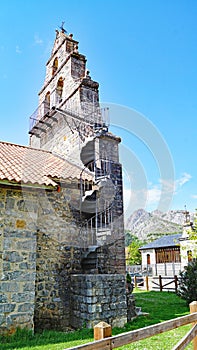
(12, 256)
(4, 308)
(3, 298)
(9, 287)
(23, 297)
(26, 307)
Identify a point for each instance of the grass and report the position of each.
(47, 340)
(160, 306)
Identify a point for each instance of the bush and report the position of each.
(128, 278)
(187, 289)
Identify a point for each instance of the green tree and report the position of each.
(128, 238)
(187, 289)
(188, 278)
(134, 255)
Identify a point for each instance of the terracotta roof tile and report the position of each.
(28, 165)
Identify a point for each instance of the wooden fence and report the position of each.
(143, 333)
(162, 283)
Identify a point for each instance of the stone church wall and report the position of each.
(58, 256)
(55, 262)
(17, 258)
(41, 248)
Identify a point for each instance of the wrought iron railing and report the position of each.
(100, 224)
(96, 117)
(38, 114)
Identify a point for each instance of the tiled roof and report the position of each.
(162, 242)
(27, 165)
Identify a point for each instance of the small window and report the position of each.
(59, 90)
(47, 98)
(47, 102)
(55, 66)
(148, 259)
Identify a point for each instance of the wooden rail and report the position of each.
(143, 333)
(160, 284)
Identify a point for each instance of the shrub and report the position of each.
(188, 283)
(128, 278)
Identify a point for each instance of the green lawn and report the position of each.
(160, 306)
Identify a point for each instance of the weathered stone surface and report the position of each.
(3, 298)
(12, 257)
(26, 307)
(10, 202)
(17, 261)
(9, 287)
(91, 309)
(7, 308)
(55, 259)
(23, 297)
(131, 309)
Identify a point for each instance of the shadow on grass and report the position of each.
(24, 338)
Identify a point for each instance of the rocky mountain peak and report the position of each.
(147, 225)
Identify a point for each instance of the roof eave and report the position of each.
(27, 185)
(166, 246)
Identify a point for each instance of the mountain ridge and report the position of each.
(150, 225)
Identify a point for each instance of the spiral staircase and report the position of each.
(96, 199)
(97, 206)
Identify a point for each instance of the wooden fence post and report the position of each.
(176, 283)
(102, 330)
(147, 285)
(135, 281)
(160, 283)
(193, 308)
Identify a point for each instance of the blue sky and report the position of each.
(143, 54)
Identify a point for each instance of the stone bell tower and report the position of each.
(187, 246)
(68, 110)
(70, 123)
